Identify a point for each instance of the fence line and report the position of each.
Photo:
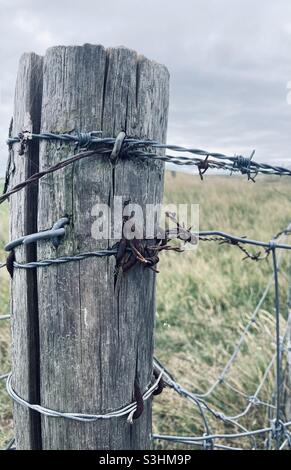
(137, 148)
(198, 399)
(133, 148)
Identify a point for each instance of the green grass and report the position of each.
(5, 405)
(205, 297)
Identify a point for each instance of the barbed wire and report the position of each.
(139, 248)
(137, 148)
(65, 259)
(95, 146)
(208, 438)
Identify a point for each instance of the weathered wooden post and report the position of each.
(287, 372)
(23, 220)
(77, 346)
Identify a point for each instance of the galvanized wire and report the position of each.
(195, 398)
(10, 445)
(4, 376)
(65, 259)
(227, 419)
(238, 435)
(278, 428)
(127, 410)
(79, 138)
(183, 392)
(135, 148)
(208, 438)
(143, 149)
(244, 333)
(232, 239)
(278, 344)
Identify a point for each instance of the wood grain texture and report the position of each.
(93, 343)
(23, 216)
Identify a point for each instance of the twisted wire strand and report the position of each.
(254, 397)
(282, 447)
(251, 398)
(110, 252)
(10, 444)
(4, 376)
(220, 436)
(226, 418)
(80, 138)
(276, 357)
(183, 392)
(37, 176)
(65, 259)
(158, 437)
(237, 348)
(241, 340)
(134, 148)
(84, 417)
(195, 398)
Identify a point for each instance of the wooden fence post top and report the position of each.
(92, 343)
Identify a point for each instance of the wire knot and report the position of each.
(54, 234)
(117, 147)
(161, 385)
(254, 400)
(84, 139)
(24, 138)
(139, 402)
(243, 164)
(208, 443)
(203, 167)
(277, 429)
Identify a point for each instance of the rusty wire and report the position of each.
(278, 429)
(130, 252)
(143, 149)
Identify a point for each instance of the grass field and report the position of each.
(205, 297)
(5, 406)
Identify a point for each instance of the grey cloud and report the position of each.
(229, 61)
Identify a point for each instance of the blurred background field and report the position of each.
(204, 299)
(5, 405)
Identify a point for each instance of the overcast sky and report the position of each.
(229, 60)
